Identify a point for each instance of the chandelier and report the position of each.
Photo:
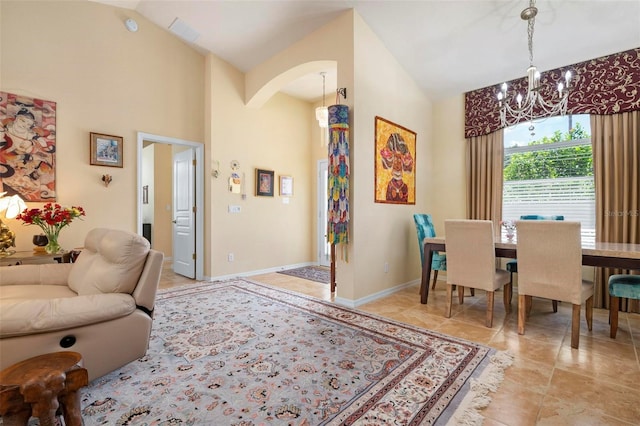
(533, 105)
(322, 115)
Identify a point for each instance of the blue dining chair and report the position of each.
(425, 229)
(625, 286)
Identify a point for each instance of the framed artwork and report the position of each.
(106, 150)
(286, 186)
(264, 183)
(395, 153)
(28, 140)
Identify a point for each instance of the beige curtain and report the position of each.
(484, 177)
(616, 164)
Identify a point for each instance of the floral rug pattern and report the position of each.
(242, 353)
(320, 274)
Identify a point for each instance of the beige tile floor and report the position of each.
(549, 383)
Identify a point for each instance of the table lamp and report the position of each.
(11, 206)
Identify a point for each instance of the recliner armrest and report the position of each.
(46, 274)
(145, 291)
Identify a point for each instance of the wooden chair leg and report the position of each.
(473, 291)
(460, 294)
(575, 327)
(614, 306)
(490, 302)
(528, 304)
(522, 308)
(588, 314)
(508, 291)
(435, 278)
(447, 309)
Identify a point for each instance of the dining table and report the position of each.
(602, 254)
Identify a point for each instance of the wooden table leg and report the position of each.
(13, 409)
(426, 273)
(70, 396)
(42, 393)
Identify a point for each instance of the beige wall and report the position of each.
(448, 180)
(384, 233)
(104, 79)
(267, 233)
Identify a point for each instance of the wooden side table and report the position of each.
(40, 385)
(32, 257)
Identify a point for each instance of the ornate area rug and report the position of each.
(321, 274)
(241, 353)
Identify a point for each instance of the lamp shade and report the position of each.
(12, 206)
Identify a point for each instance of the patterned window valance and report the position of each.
(606, 85)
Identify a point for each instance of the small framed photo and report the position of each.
(264, 183)
(286, 186)
(106, 150)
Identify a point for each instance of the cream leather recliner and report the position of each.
(100, 306)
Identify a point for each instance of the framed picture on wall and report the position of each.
(264, 183)
(395, 153)
(286, 186)
(106, 150)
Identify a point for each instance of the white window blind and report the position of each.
(572, 197)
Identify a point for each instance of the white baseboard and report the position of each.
(375, 296)
(260, 271)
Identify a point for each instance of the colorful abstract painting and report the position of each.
(395, 153)
(27, 147)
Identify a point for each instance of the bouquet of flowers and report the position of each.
(509, 225)
(52, 218)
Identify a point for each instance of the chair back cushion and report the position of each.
(424, 229)
(550, 260)
(471, 259)
(111, 262)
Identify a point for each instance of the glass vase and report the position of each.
(52, 246)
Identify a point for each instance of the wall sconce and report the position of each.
(342, 91)
(107, 179)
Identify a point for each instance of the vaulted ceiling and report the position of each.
(447, 46)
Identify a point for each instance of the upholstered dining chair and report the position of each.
(625, 286)
(471, 262)
(425, 229)
(512, 265)
(550, 266)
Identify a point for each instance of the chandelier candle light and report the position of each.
(533, 103)
(52, 218)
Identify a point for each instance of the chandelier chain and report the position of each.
(323, 91)
(531, 21)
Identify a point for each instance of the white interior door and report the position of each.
(184, 214)
(324, 249)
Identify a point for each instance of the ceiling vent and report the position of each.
(183, 30)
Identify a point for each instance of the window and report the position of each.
(548, 170)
